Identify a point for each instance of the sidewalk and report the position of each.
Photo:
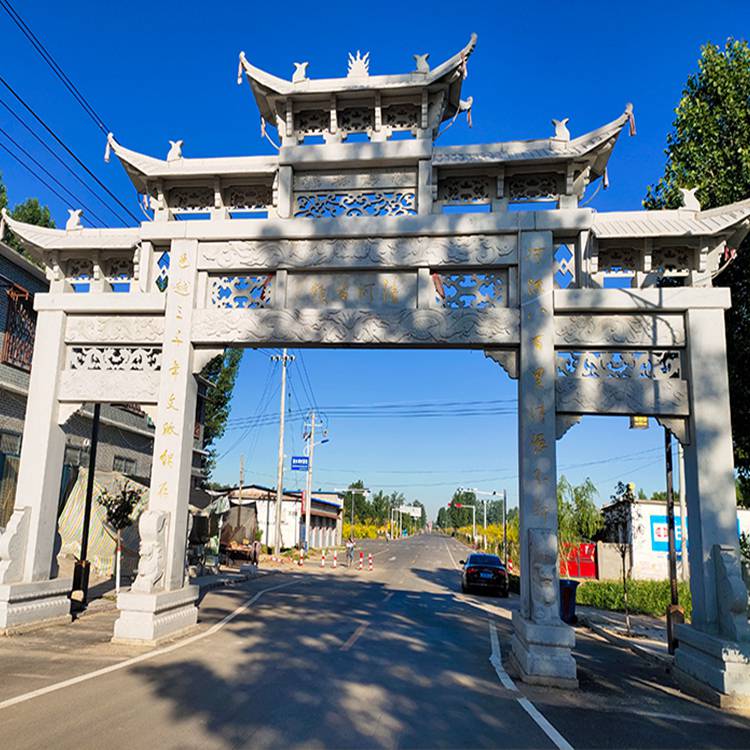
(648, 637)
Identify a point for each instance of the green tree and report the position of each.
(578, 518)
(222, 372)
(119, 507)
(709, 149)
(29, 211)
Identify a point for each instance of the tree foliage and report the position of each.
(709, 149)
(222, 372)
(119, 506)
(29, 211)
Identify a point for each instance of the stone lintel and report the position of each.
(101, 303)
(360, 155)
(103, 387)
(628, 331)
(627, 396)
(671, 299)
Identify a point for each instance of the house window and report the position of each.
(10, 443)
(123, 464)
(76, 455)
(18, 344)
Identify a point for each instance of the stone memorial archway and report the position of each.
(362, 232)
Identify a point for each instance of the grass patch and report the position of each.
(644, 597)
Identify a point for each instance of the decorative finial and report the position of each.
(689, 199)
(422, 65)
(465, 105)
(300, 72)
(239, 68)
(359, 66)
(108, 147)
(561, 131)
(175, 152)
(631, 117)
(74, 219)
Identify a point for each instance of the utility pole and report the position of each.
(283, 358)
(675, 613)
(308, 486)
(684, 567)
(505, 529)
(242, 481)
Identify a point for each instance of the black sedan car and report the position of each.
(485, 572)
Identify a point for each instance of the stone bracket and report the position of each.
(563, 422)
(506, 358)
(678, 426)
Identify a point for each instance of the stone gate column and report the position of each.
(541, 642)
(715, 648)
(159, 602)
(29, 587)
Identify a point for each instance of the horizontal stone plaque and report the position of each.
(352, 291)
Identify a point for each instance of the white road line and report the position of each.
(496, 660)
(450, 554)
(143, 657)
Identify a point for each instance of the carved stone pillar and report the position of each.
(159, 602)
(541, 642)
(715, 648)
(29, 588)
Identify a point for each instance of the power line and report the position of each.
(70, 152)
(56, 156)
(56, 69)
(81, 204)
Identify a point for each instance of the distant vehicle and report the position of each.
(484, 572)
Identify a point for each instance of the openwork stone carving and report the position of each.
(401, 116)
(162, 271)
(470, 189)
(129, 358)
(248, 197)
(119, 269)
(194, 199)
(356, 203)
(564, 266)
(241, 292)
(369, 251)
(356, 119)
(79, 269)
(672, 260)
(532, 187)
(616, 260)
(357, 327)
(656, 365)
(152, 526)
(470, 290)
(543, 561)
(311, 121)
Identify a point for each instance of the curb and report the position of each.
(665, 660)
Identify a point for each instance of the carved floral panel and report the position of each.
(619, 260)
(311, 121)
(469, 189)
(470, 290)
(532, 187)
(355, 203)
(248, 197)
(356, 119)
(654, 365)
(195, 199)
(401, 116)
(672, 260)
(129, 358)
(245, 292)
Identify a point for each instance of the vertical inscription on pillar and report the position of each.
(538, 506)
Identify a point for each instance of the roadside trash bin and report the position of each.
(568, 601)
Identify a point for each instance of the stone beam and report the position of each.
(612, 331)
(576, 395)
(114, 329)
(668, 299)
(408, 328)
(101, 303)
(105, 387)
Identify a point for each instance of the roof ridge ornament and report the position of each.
(74, 219)
(561, 131)
(690, 201)
(175, 152)
(631, 117)
(300, 72)
(359, 66)
(422, 65)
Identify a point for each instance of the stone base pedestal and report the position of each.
(24, 604)
(713, 669)
(542, 653)
(149, 618)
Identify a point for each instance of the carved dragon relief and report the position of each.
(103, 329)
(337, 327)
(620, 330)
(579, 395)
(372, 251)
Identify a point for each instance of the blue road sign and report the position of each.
(300, 463)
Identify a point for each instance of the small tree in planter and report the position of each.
(622, 525)
(119, 507)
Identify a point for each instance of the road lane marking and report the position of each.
(354, 637)
(450, 554)
(496, 660)
(143, 657)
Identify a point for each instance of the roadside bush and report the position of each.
(362, 531)
(645, 597)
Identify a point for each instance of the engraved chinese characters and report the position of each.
(363, 290)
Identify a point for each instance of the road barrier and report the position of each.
(361, 561)
(335, 558)
(369, 561)
(301, 560)
(323, 559)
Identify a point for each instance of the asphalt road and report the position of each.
(394, 658)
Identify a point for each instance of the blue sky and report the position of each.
(158, 71)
